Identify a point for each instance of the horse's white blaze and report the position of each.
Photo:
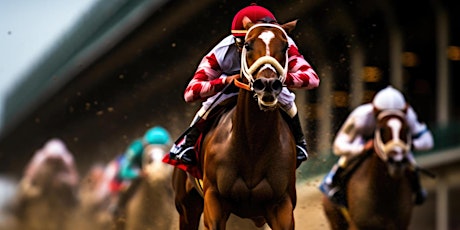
(266, 37)
(157, 154)
(396, 126)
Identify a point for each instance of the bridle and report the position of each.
(266, 60)
(383, 149)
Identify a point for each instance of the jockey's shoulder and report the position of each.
(363, 110)
(225, 42)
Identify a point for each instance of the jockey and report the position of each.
(131, 166)
(54, 148)
(352, 139)
(222, 65)
(131, 162)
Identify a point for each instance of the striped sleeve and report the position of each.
(206, 81)
(300, 74)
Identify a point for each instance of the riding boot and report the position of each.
(330, 185)
(301, 143)
(186, 152)
(420, 193)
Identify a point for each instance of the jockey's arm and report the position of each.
(127, 168)
(206, 81)
(422, 139)
(300, 73)
(37, 160)
(349, 141)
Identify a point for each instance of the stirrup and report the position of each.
(302, 154)
(187, 156)
(420, 197)
(333, 193)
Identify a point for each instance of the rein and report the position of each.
(242, 85)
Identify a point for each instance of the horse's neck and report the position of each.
(250, 120)
(378, 175)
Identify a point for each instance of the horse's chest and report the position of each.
(251, 188)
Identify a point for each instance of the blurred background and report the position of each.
(97, 74)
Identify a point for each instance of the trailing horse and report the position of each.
(46, 197)
(378, 193)
(152, 204)
(247, 159)
(94, 193)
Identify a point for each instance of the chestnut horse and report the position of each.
(379, 192)
(248, 157)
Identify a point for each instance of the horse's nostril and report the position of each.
(277, 85)
(268, 98)
(258, 85)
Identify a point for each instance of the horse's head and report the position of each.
(152, 163)
(392, 140)
(264, 60)
(51, 169)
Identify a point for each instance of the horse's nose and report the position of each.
(267, 85)
(397, 155)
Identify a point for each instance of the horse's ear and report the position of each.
(289, 26)
(247, 23)
(376, 112)
(406, 108)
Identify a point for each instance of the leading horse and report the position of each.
(248, 157)
(379, 192)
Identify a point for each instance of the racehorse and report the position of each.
(379, 192)
(247, 157)
(152, 204)
(94, 194)
(46, 196)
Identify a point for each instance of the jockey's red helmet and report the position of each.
(255, 13)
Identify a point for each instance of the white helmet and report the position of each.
(389, 99)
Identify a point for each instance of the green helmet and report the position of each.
(157, 136)
(136, 147)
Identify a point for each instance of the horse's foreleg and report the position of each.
(281, 216)
(335, 217)
(214, 216)
(190, 211)
(189, 203)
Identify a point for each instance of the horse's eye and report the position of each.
(247, 46)
(286, 47)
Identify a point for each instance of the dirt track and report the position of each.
(308, 213)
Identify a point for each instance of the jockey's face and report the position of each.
(239, 42)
